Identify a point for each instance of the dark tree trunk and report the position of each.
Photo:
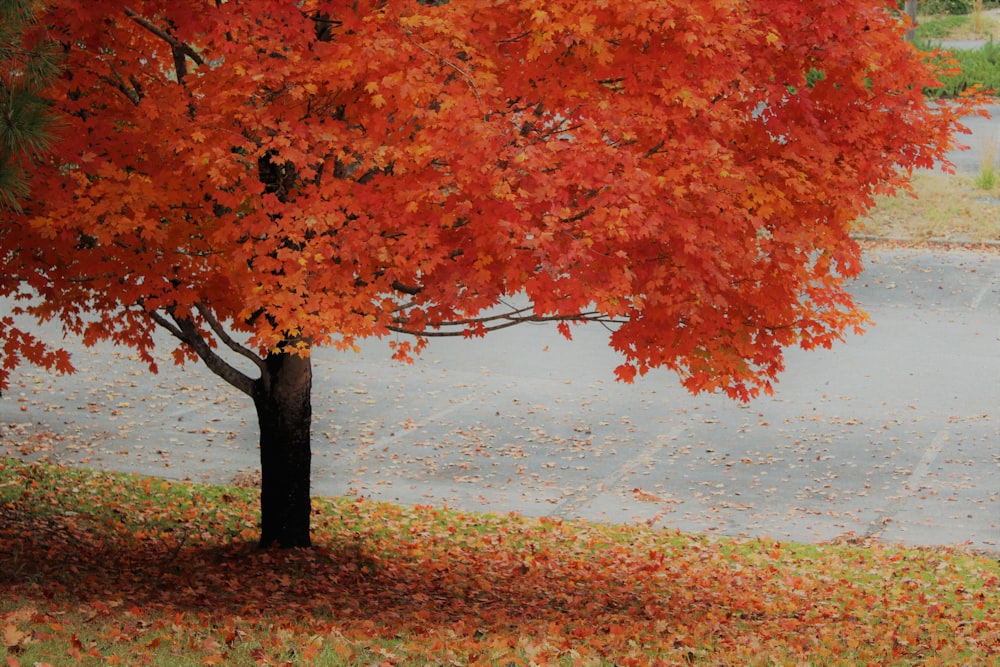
(282, 397)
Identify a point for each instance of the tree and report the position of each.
(28, 62)
(911, 11)
(262, 177)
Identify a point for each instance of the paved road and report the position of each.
(894, 434)
(984, 139)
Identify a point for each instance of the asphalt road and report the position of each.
(984, 138)
(893, 435)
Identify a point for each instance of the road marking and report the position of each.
(981, 294)
(645, 456)
(397, 432)
(912, 485)
(931, 453)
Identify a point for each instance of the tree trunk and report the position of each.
(911, 10)
(282, 397)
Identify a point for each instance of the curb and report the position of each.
(932, 242)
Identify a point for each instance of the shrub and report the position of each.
(979, 66)
(946, 7)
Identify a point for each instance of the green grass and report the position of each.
(986, 179)
(970, 25)
(943, 27)
(103, 569)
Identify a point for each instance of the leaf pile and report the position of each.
(99, 568)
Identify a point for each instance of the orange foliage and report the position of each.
(323, 171)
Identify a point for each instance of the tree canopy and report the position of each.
(266, 176)
(324, 171)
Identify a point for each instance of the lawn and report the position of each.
(100, 569)
(984, 25)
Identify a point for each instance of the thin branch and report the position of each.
(514, 313)
(224, 336)
(501, 322)
(185, 331)
(556, 130)
(165, 36)
(579, 216)
(134, 95)
(654, 150)
(178, 48)
(514, 38)
(465, 75)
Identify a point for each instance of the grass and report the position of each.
(975, 25)
(987, 177)
(947, 207)
(100, 569)
(978, 65)
(960, 27)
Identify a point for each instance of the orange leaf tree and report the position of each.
(265, 176)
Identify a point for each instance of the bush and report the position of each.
(946, 7)
(980, 66)
(932, 7)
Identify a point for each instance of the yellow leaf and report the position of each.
(13, 638)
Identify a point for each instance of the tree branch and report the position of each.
(134, 94)
(168, 325)
(412, 290)
(185, 331)
(654, 150)
(465, 75)
(224, 336)
(497, 322)
(177, 47)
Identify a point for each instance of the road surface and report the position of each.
(893, 435)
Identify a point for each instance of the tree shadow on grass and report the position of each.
(492, 585)
(398, 584)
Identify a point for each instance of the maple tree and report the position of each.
(262, 177)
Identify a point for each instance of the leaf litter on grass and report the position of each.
(100, 568)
